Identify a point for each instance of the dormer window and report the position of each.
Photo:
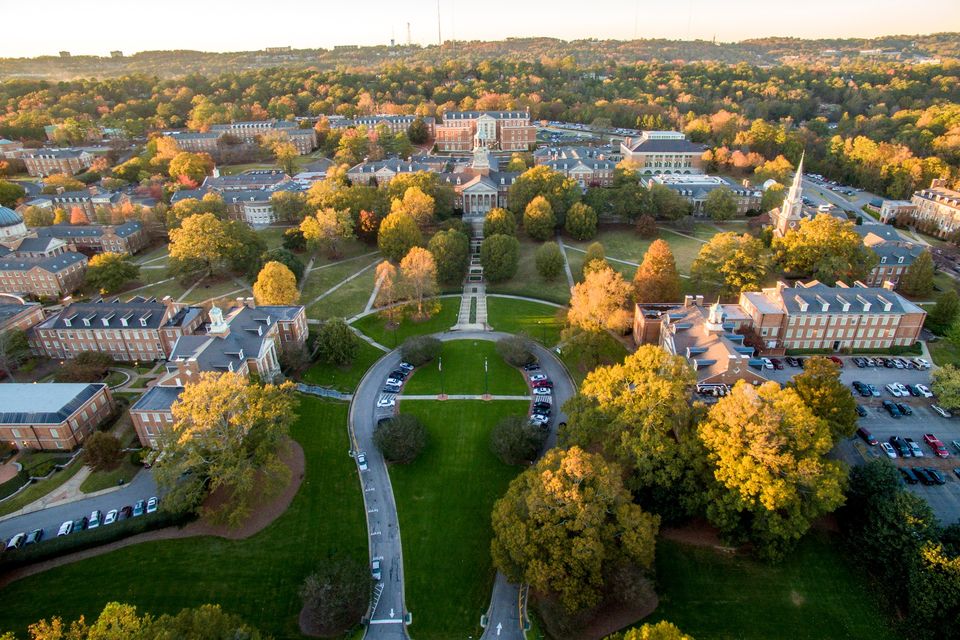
(883, 260)
(86, 322)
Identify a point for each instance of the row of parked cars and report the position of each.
(393, 385)
(900, 447)
(892, 363)
(542, 407)
(95, 520)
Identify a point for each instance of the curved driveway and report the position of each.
(388, 610)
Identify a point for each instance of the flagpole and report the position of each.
(486, 387)
(440, 369)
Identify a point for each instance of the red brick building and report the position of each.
(52, 415)
(45, 162)
(503, 130)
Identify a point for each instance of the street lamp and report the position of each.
(440, 370)
(486, 388)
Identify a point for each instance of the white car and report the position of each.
(921, 363)
(894, 390)
(915, 449)
(386, 401)
(94, 520)
(362, 461)
(888, 449)
(542, 391)
(65, 528)
(152, 504)
(375, 570)
(904, 392)
(924, 391)
(940, 410)
(394, 382)
(111, 517)
(537, 377)
(767, 363)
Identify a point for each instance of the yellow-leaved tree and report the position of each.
(276, 284)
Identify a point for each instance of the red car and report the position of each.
(837, 361)
(934, 443)
(543, 383)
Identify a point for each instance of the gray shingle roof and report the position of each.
(53, 264)
(157, 399)
(151, 311)
(666, 146)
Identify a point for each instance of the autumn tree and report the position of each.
(285, 257)
(646, 226)
(733, 263)
(451, 253)
(193, 167)
(204, 245)
(499, 257)
(820, 388)
(599, 302)
(286, 155)
(499, 221)
(662, 630)
(183, 209)
(289, 206)
(102, 450)
(657, 279)
(638, 414)
(767, 454)
(561, 192)
(581, 221)
(417, 132)
(398, 234)
(107, 272)
(428, 183)
(60, 216)
(327, 230)
(720, 204)
(538, 219)
(37, 217)
(594, 259)
(276, 285)
(549, 260)
(226, 438)
(10, 193)
(418, 275)
(388, 290)
(565, 522)
(825, 248)
(78, 216)
(772, 197)
(917, 280)
(945, 383)
(416, 204)
(337, 343)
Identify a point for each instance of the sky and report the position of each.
(99, 26)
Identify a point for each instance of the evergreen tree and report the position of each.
(657, 279)
(917, 280)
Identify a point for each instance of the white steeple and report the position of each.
(794, 201)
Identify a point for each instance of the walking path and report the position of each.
(454, 396)
(190, 290)
(152, 284)
(336, 262)
(627, 262)
(339, 284)
(306, 271)
(566, 263)
(157, 259)
(373, 295)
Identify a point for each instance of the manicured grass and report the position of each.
(624, 243)
(444, 500)
(273, 236)
(256, 578)
(577, 364)
(348, 300)
(39, 489)
(539, 321)
(343, 379)
(463, 372)
(375, 326)
(319, 281)
(944, 352)
(98, 480)
(155, 252)
(813, 594)
(527, 282)
(213, 288)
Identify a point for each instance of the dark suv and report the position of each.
(898, 443)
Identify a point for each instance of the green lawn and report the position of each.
(273, 236)
(155, 252)
(527, 282)
(611, 352)
(944, 352)
(319, 281)
(375, 326)
(463, 372)
(343, 379)
(98, 480)
(444, 500)
(625, 244)
(256, 578)
(39, 489)
(813, 594)
(213, 288)
(539, 321)
(348, 300)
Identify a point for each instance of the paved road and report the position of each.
(142, 487)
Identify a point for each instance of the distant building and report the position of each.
(198, 141)
(10, 148)
(45, 162)
(12, 225)
(52, 416)
(503, 130)
(696, 188)
(890, 209)
(663, 152)
(252, 179)
(16, 314)
(394, 123)
(128, 238)
(939, 204)
(895, 254)
(45, 276)
(250, 133)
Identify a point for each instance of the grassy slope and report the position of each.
(463, 372)
(320, 281)
(348, 300)
(625, 244)
(539, 321)
(813, 594)
(375, 327)
(527, 282)
(98, 480)
(257, 578)
(444, 500)
(343, 379)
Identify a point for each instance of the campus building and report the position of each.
(45, 162)
(658, 152)
(16, 314)
(393, 123)
(42, 276)
(895, 255)
(939, 204)
(502, 130)
(696, 188)
(128, 238)
(52, 415)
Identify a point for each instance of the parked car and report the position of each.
(921, 363)
(125, 512)
(81, 524)
(540, 404)
(904, 408)
(793, 362)
(888, 449)
(152, 504)
(543, 384)
(922, 476)
(866, 436)
(767, 363)
(533, 366)
(903, 389)
(375, 570)
(956, 472)
(860, 362)
(362, 461)
(111, 517)
(902, 449)
(837, 361)
(95, 519)
(398, 374)
(391, 388)
(912, 388)
(384, 401)
(934, 443)
(65, 529)
(861, 411)
(891, 408)
(908, 475)
(33, 537)
(139, 508)
(777, 363)
(936, 476)
(406, 366)
(542, 391)
(874, 391)
(940, 410)
(915, 449)
(924, 390)
(16, 541)
(893, 390)
(956, 445)
(537, 377)
(394, 382)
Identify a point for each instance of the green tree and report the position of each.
(10, 193)
(541, 180)
(499, 221)
(825, 248)
(734, 263)
(204, 245)
(226, 436)
(428, 183)
(415, 203)
(337, 343)
(289, 206)
(664, 203)
(581, 221)
(772, 197)
(657, 278)
(538, 219)
(37, 217)
(662, 630)
(499, 256)
(183, 209)
(917, 280)
(549, 260)
(451, 253)
(86, 366)
(398, 234)
(934, 589)
(565, 522)
(516, 441)
(594, 259)
(944, 312)
(102, 450)
(820, 388)
(107, 272)
(335, 596)
(285, 257)
(720, 204)
(419, 350)
(14, 350)
(401, 438)
(516, 351)
(276, 285)
(417, 131)
(767, 454)
(646, 226)
(286, 155)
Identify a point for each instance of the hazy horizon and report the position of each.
(111, 25)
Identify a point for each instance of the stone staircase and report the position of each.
(473, 302)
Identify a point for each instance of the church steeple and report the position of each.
(790, 213)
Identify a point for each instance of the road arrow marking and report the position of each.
(499, 627)
(391, 612)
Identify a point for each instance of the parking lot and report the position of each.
(943, 499)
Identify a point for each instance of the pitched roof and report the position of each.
(157, 398)
(53, 264)
(110, 314)
(666, 146)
